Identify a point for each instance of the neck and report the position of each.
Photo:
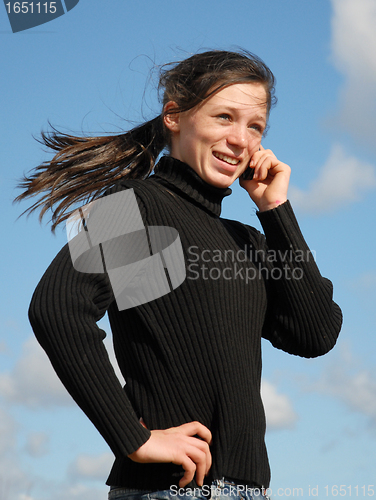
(182, 179)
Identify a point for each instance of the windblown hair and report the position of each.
(83, 168)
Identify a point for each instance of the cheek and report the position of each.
(254, 146)
(200, 143)
(189, 143)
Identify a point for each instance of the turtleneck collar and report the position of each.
(182, 179)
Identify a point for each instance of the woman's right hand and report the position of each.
(179, 446)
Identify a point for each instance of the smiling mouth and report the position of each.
(226, 159)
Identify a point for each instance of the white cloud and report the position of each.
(92, 467)
(354, 36)
(18, 482)
(37, 444)
(366, 283)
(79, 492)
(349, 381)
(365, 288)
(357, 391)
(342, 180)
(354, 54)
(278, 408)
(33, 382)
(7, 432)
(51, 490)
(13, 480)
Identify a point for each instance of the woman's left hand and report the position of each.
(270, 182)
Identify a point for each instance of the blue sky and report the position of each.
(94, 70)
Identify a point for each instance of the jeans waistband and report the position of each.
(236, 489)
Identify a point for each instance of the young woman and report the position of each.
(190, 414)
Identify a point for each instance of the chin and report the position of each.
(221, 181)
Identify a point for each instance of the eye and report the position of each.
(224, 116)
(257, 127)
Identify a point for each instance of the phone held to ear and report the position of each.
(247, 175)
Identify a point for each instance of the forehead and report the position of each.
(242, 97)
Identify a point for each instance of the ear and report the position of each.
(171, 119)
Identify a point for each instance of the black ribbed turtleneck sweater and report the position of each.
(194, 354)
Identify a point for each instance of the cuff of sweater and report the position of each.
(281, 228)
(140, 436)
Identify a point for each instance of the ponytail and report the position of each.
(83, 168)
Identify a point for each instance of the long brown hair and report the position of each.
(83, 168)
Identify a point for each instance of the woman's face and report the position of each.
(218, 138)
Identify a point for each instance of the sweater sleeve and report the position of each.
(301, 317)
(64, 310)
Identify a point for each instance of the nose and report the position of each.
(237, 136)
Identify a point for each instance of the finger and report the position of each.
(189, 472)
(196, 428)
(199, 451)
(258, 155)
(266, 162)
(204, 448)
(270, 166)
(199, 458)
(262, 167)
(204, 433)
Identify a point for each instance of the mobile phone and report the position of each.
(247, 175)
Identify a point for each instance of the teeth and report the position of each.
(227, 159)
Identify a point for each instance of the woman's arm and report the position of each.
(301, 317)
(63, 313)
